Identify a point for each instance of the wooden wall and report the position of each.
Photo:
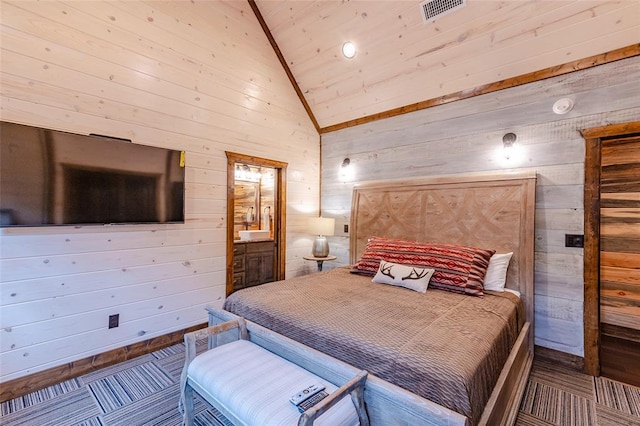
(194, 76)
(466, 136)
(402, 61)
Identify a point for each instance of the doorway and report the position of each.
(612, 252)
(256, 201)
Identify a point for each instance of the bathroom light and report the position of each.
(349, 50)
(321, 227)
(246, 173)
(507, 144)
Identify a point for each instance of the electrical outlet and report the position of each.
(114, 320)
(346, 228)
(573, 240)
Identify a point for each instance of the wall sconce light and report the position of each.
(346, 171)
(507, 144)
(321, 227)
(349, 50)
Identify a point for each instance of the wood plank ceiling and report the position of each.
(401, 60)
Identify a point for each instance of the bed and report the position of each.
(464, 356)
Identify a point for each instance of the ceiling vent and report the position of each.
(433, 9)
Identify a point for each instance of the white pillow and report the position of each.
(413, 278)
(516, 292)
(496, 276)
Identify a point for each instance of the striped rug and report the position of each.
(560, 397)
(142, 391)
(145, 391)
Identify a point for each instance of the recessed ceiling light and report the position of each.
(349, 50)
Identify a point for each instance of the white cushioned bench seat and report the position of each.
(252, 386)
(245, 379)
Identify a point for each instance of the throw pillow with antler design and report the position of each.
(411, 277)
(460, 269)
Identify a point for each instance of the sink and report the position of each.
(254, 234)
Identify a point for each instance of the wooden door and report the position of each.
(620, 259)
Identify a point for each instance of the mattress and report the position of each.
(446, 347)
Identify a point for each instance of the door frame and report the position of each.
(279, 219)
(593, 138)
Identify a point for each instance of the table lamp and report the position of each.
(322, 227)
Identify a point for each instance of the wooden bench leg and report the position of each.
(188, 406)
(357, 396)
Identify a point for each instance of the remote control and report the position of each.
(306, 393)
(310, 402)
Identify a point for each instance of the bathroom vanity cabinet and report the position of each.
(252, 263)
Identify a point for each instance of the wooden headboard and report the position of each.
(487, 210)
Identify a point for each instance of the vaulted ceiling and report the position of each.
(401, 60)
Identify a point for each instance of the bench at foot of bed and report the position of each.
(386, 404)
(251, 385)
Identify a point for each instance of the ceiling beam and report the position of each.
(283, 62)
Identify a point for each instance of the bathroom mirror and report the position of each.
(246, 211)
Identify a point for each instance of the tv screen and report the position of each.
(49, 177)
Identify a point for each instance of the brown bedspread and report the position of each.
(446, 347)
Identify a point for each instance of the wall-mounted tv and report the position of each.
(48, 177)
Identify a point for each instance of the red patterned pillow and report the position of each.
(459, 269)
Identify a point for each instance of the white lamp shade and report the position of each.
(321, 225)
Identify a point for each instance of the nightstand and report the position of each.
(319, 260)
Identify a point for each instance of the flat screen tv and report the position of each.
(49, 177)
